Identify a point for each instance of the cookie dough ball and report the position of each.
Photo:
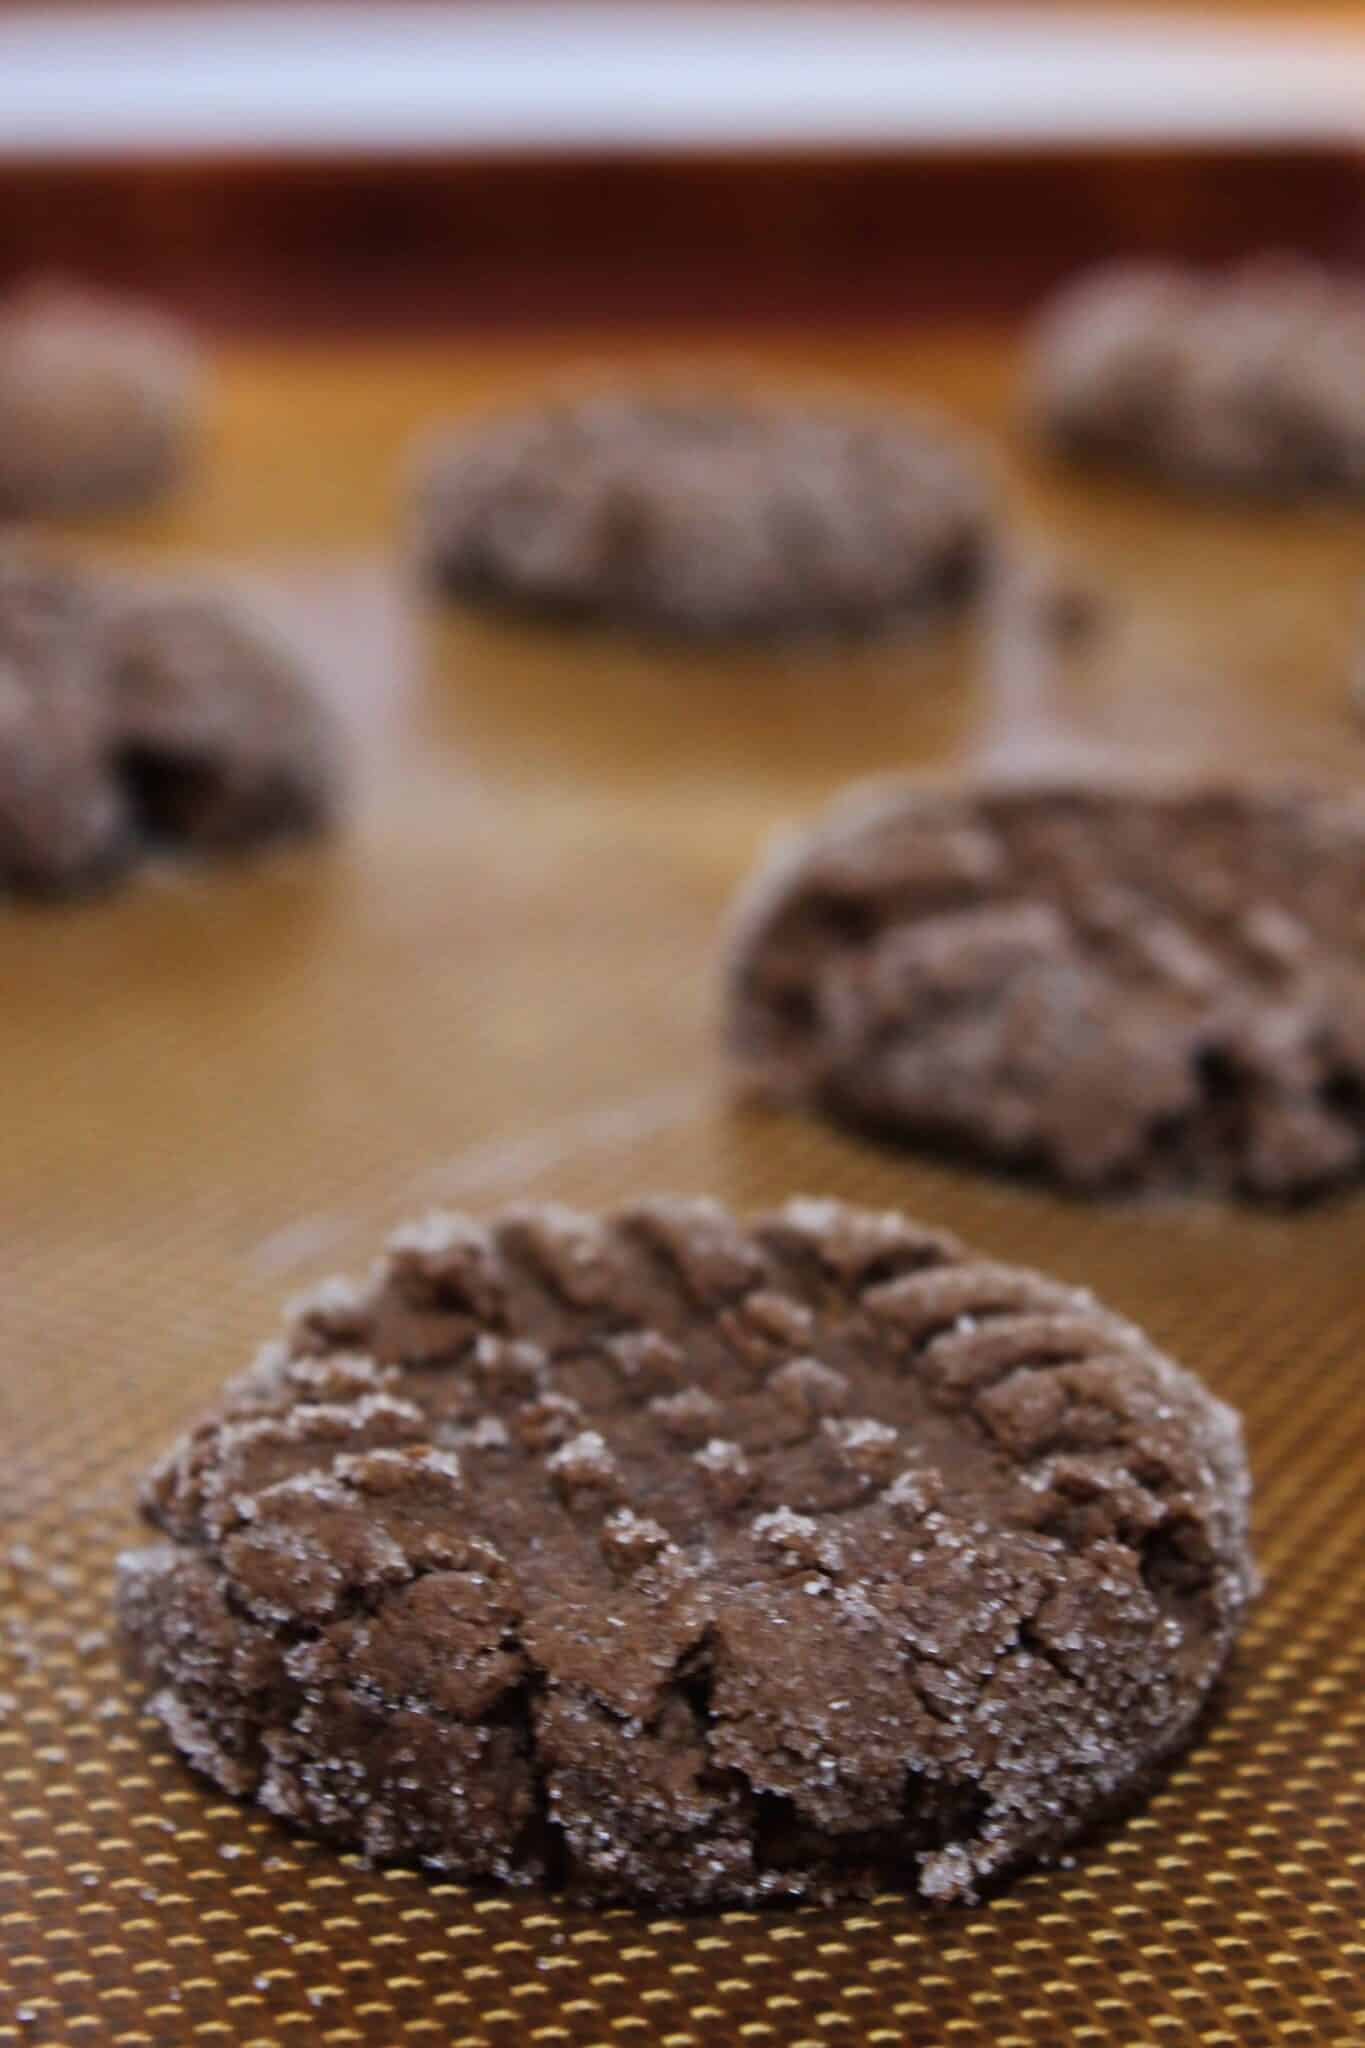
(674, 1557)
(1115, 988)
(98, 400)
(219, 740)
(64, 822)
(705, 512)
(1248, 380)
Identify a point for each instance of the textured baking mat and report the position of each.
(498, 984)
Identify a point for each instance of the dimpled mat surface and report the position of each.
(500, 985)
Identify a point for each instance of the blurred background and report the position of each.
(377, 166)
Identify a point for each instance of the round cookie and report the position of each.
(670, 1557)
(706, 512)
(1113, 987)
(98, 402)
(135, 718)
(1251, 379)
(220, 740)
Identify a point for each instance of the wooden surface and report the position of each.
(497, 983)
(347, 244)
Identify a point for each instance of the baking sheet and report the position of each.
(499, 983)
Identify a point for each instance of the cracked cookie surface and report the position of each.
(1115, 988)
(664, 1556)
(706, 512)
(1250, 379)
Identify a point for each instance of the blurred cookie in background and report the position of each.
(221, 742)
(1123, 987)
(1243, 380)
(706, 511)
(64, 821)
(137, 718)
(99, 401)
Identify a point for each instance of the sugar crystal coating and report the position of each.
(1250, 379)
(135, 718)
(705, 512)
(920, 1638)
(1114, 987)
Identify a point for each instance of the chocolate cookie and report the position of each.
(1112, 987)
(1251, 379)
(706, 512)
(669, 1557)
(98, 402)
(64, 824)
(221, 744)
(136, 717)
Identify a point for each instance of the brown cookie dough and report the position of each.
(98, 402)
(135, 718)
(1251, 379)
(1116, 987)
(706, 512)
(671, 1557)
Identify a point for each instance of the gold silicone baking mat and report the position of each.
(498, 983)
